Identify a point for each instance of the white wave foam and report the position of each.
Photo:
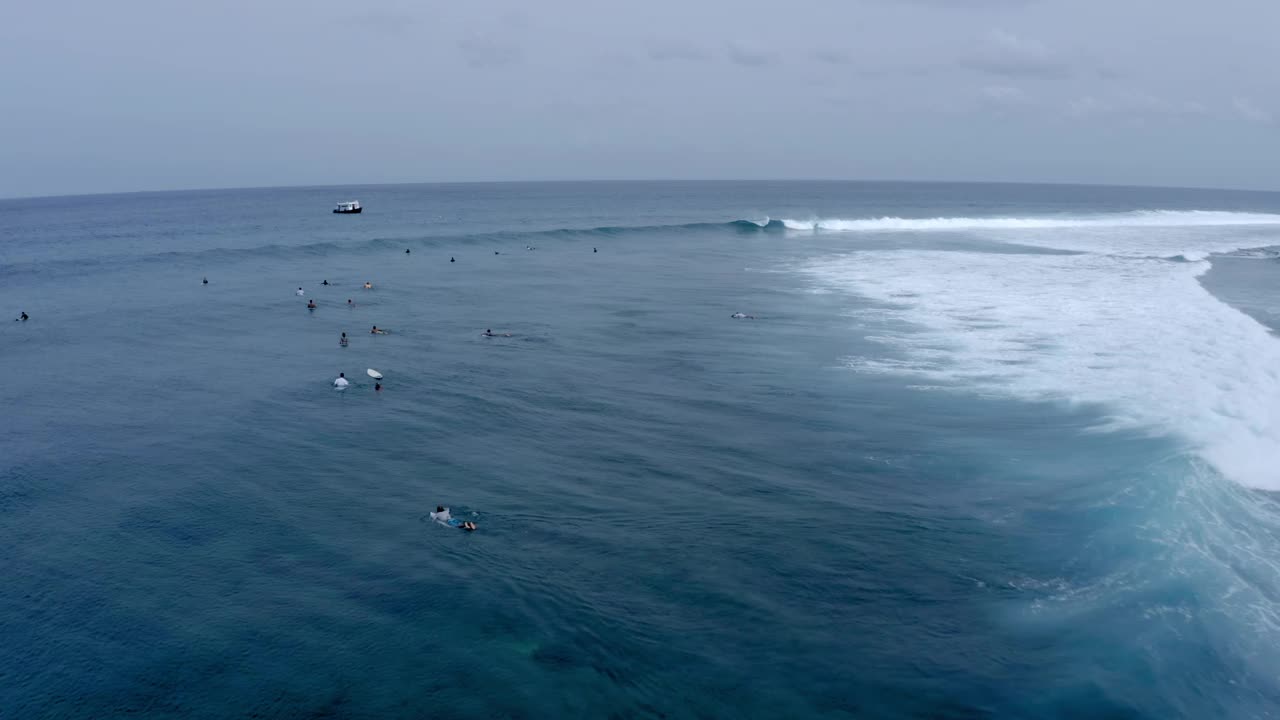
(1168, 232)
(1137, 219)
(1139, 337)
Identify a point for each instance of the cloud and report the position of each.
(668, 52)
(1245, 108)
(750, 57)
(484, 52)
(834, 57)
(391, 22)
(1135, 104)
(1003, 95)
(964, 4)
(1005, 54)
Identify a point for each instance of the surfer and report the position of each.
(22, 317)
(311, 304)
(406, 251)
(343, 340)
(299, 293)
(741, 316)
(368, 286)
(342, 381)
(452, 260)
(326, 282)
(377, 386)
(349, 303)
(376, 331)
(594, 250)
(204, 281)
(441, 514)
(490, 333)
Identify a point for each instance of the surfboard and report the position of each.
(374, 374)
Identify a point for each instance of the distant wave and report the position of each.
(766, 224)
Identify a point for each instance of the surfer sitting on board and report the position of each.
(342, 381)
(343, 340)
(311, 304)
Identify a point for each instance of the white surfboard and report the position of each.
(374, 374)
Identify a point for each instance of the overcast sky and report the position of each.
(100, 96)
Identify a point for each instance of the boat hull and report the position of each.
(348, 212)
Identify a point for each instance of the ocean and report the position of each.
(981, 451)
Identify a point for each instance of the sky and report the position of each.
(154, 95)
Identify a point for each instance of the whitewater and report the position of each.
(1113, 323)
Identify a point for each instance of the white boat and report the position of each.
(348, 208)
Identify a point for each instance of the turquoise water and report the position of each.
(984, 451)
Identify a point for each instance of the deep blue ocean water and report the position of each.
(984, 451)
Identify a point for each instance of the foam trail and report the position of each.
(1148, 233)
(1141, 218)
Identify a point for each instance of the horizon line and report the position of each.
(1128, 186)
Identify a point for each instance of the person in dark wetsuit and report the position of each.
(343, 340)
(204, 281)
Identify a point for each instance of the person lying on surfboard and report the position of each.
(376, 331)
(442, 515)
(490, 333)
